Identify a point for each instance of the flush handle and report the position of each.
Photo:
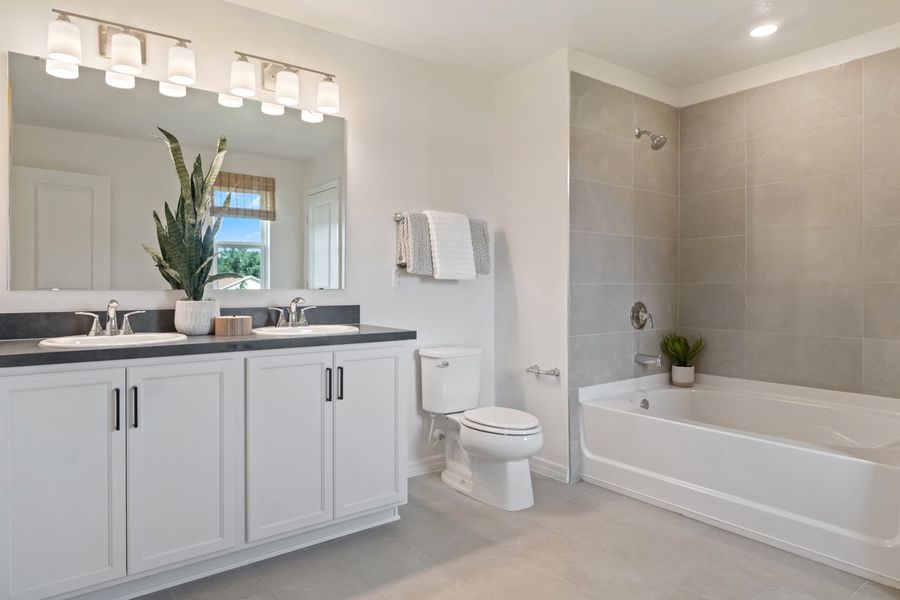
(443, 364)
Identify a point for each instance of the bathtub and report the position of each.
(810, 471)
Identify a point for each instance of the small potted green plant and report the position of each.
(187, 240)
(682, 354)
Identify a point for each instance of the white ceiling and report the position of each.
(677, 42)
(87, 104)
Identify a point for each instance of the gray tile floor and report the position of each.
(577, 542)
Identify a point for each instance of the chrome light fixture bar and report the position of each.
(125, 45)
(282, 78)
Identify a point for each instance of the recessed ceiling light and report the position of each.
(763, 30)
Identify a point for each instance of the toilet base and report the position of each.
(505, 485)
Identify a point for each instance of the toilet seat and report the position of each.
(499, 420)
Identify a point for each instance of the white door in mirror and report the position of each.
(112, 341)
(308, 330)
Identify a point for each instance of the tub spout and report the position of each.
(648, 359)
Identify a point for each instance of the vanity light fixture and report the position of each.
(312, 97)
(119, 80)
(172, 90)
(311, 116)
(124, 44)
(125, 52)
(287, 88)
(328, 97)
(61, 69)
(182, 64)
(763, 30)
(243, 78)
(270, 108)
(63, 40)
(229, 101)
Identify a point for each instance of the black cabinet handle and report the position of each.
(118, 410)
(327, 384)
(134, 418)
(340, 383)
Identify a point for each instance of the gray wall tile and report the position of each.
(881, 196)
(712, 260)
(829, 148)
(880, 373)
(599, 308)
(725, 354)
(820, 203)
(882, 319)
(600, 207)
(805, 100)
(882, 253)
(595, 359)
(829, 362)
(601, 107)
(655, 215)
(712, 306)
(831, 309)
(601, 157)
(713, 168)
(714, 122)
(713, 214)
(655, 260)
(600, 258)
(823, 255)
(662, 302)
(882, 81)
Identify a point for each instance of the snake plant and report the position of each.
(187, 238)
(680, 350)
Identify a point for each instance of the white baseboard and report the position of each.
(550, 469)
(423, 466)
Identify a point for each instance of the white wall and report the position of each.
(531, 154)
(417, 137)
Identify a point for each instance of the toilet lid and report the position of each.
(501, 418)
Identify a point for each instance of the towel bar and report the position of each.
(536, 369)
(398, 217)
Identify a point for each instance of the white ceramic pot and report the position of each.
(196, 317)
(683, 376)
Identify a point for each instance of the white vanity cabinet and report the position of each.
(182, 447)
(62, 482)
(119, 480)
(289, 443)
(323, 438)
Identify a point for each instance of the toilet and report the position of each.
(486, 449)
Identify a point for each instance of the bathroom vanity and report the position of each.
(130, 470)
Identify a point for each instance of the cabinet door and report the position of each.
(289, 443)
(182, 444)
(369, 432)
(62, 482)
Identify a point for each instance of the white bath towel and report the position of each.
(451, 245)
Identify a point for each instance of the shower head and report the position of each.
(657, 140)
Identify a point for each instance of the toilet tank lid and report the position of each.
(450, 352)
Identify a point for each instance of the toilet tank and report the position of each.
(451, 379)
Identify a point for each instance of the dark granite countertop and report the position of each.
(23, 353)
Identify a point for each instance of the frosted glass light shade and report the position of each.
(119, 80)
(61, 69)
(270, 108)
(243, 78)
(311, 116)
(182, 65)
(126, 54)
(329, 96)
(64, 41)
(172, 90)
(229, 101)
(309, 85)
(287, 88)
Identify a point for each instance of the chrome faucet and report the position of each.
(295, 318)
(112, 321)
(648, 359)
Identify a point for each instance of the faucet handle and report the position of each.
(303, 322)
(281, 322)
(95, 325)
(126, 323)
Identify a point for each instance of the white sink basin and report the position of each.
(115, 341)
(308, 330)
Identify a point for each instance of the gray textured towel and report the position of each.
(414, 245)
(481, 245)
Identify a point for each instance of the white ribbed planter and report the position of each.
(196, 317)
(683, 376)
